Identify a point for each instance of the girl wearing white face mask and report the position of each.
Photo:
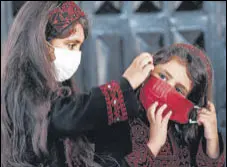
(66, 62)
(41, 123)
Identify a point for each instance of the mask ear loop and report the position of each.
(194, 121)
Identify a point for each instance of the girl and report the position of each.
(156, 139)
(42, 117)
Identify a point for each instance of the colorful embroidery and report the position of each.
(170, 154)
(64, 15)
(116, 109)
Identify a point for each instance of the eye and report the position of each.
(162, 76)
(179, 90)
(72, 46)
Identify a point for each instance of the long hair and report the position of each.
(28, 82)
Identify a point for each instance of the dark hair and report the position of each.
(27, 85)
(200, 93)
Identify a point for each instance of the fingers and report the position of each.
(148, 60)
(136, 74)
(160, 112)
(158, 116)
(211, 107)
(202, 119)
(156, 120)
(139, 58)
(203, 111)
(166, 119)
(142, 56)
(209, 110)
(143, 59)
(151, 112)
(147, 70)
(205, 117)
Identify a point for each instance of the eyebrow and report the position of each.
(180, 84)
(169, 75)
(76, 40)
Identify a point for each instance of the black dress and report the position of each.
(87, 114)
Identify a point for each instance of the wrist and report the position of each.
(213, 138)
(130, 82)
(212, 148)
(154, 148)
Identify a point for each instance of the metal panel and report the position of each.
(6, 19)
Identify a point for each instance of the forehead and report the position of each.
(76, 33)
(178, 71)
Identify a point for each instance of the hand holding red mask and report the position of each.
(158, 90)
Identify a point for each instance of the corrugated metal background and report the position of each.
(120, 30)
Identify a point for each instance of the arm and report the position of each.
(202, 158)
(207, 117)
(102, 106)
(109, 103)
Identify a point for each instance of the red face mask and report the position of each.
(158, 90)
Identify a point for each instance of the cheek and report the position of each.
(58, 43)
(154, 73)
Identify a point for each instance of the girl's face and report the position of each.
(175, 73)
(73, 42)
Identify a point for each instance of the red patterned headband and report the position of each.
(197, 52)
(64, 15)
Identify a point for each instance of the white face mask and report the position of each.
(66, 63)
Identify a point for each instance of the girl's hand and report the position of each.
(139, 70)
(158, 127)
(207, 117)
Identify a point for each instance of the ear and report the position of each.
(51, 55)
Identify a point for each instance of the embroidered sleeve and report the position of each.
(86, 112)
(116, 109)
(202, 158)
(121, 101)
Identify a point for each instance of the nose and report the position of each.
(171, 82)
